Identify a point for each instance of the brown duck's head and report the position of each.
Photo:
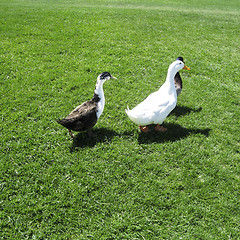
(105, 76)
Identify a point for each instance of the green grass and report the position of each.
(120, 184)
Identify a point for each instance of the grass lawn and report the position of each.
(119, 184)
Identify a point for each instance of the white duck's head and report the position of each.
(177, 66)
(105, 76)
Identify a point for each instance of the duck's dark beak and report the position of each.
(185, 67)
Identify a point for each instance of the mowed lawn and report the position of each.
(120, 183)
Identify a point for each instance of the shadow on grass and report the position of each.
(174, 133)
(82, 140)
(182, 110)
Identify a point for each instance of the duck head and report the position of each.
(181, 59)
(105, 76)
(177, 66)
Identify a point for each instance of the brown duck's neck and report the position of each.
(99, 97)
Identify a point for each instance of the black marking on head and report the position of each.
(96, 98)
(180, 58)
(104, 75)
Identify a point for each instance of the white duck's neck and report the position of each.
(99, 95)
(170, 80)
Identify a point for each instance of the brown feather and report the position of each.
(82, 118)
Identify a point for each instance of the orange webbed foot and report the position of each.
(144, 129)
(160, 128)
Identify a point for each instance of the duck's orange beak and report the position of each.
(185, 67)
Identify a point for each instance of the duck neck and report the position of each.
(170, 81)
(99, 97)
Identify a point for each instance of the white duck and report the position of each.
(156, 107)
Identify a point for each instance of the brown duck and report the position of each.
(178, 79)
(86, 115)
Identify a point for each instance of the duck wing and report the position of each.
(155, 100)
(82, 117)
(152, 112)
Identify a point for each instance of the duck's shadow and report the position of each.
(175, 132)
(183, 110)
(82, 139)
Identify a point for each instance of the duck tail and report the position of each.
(131, 116)
(127, 110)
(64, 122)
(129, 113)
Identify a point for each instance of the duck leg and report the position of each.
(160, 128)
(144, 129)
(70, 133)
